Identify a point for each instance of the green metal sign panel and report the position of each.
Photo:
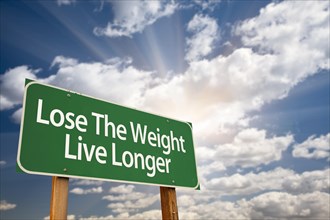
(64, 133)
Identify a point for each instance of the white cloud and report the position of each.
(133, 205)
(274, 205)
(207, 204)
(251, 148)
(125, 193)
(122, 189)
(65, 2)
(62, 62)
(150, 214)
(12, 85)
(5, 103)
(69, 217)
(223, 90)
(125, 196)
(213, 210)
(17, 115)
(85, 182)
(127, 200)
(278, 179)
(4, 205)
(94, 217)
(2, 163)
(284, 30)
(313, 147)
(270, 205)
(185, 200)
(133, 16)
(81, 191)
(96, 78)
(215, 166)
(308, 181)
(207, 4)
(205, 33)
(88, 78)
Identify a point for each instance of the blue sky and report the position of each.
(252, 77)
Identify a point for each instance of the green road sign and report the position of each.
(64, 133)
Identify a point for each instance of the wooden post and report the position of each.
(59, 198)
(168, 203)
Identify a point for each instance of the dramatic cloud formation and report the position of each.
(133, 16)
(227, 86)
(279, 48)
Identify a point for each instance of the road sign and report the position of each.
(67, 134)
